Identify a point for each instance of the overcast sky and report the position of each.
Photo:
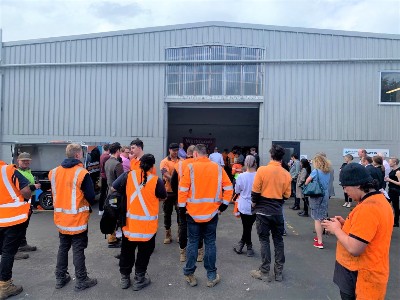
(31, 19)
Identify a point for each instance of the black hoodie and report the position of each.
(87, 183)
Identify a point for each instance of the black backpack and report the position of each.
(111, 213)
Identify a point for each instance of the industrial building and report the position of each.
(228, 84)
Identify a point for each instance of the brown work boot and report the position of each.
(182, 256)
(257, 274)
(191, 279)
(200, 254)
(168, 236)
(8, 289)
(211, 283)
(21, 255)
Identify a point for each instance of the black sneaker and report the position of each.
(125, 281)
(85, 284)
(62, 281)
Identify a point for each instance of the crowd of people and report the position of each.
(199, 187)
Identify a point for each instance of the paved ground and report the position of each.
(307, 274)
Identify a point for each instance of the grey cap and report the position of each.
(24, 156)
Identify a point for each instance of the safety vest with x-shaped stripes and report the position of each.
(71, 209)
(13, 208)
(142, 207)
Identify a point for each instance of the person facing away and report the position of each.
(205, 191)
(272, 185)
(24, 162)
(217, 157)
(363, 239)
(14, 211)
(73, 194)
(103, 178)
(143, 192)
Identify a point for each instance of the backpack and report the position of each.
(111, 213)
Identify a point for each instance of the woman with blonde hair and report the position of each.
(319, 205)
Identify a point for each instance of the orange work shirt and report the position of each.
(169, 165)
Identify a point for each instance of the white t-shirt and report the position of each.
(217, 158)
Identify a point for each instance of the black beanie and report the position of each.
(354, 174)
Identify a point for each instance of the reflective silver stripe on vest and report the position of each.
(192, 181)
(139, 195)
(14, 204)
(183, 189)
(141, 218)
(180, 169)
(72, 229)
(203, 200)
(13, 219)
(53, 184)
(226, 202)
(72, 211)
(205, 217)
(217, 195)
(8, 184)
(182, 204)
(138, 235)
(73, 196)
(228, 188)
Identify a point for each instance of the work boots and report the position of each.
(140, 281)
(250, 251)
(239, 247)
(21, 255)
(27, 248)
(125, 281)
(182, 256)
(62, 281)
(8, 289)
(85, 284)
(200, 254)
(168, 236)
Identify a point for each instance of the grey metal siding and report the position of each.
(310, 101)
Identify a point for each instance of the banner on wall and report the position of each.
(370, 152)
(208, 142)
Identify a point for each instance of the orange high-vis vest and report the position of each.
(13, 207)
(181, 167)
(142, 207)
(202, 189)
(71, 209)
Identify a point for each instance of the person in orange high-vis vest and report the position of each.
(167, 166)
(204, 190)
(143, 192)
(176, 177)
(137, 153)
(73, 193)
(14, 211)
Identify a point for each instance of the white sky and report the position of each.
(30, 19)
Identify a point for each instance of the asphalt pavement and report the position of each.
(307, 273)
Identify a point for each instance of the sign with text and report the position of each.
(370, 152)
(208, 142)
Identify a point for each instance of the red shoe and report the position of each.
(316, 239)
(319, 245)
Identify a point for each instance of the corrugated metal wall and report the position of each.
(303, 101)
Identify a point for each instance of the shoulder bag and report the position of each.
(314, 188)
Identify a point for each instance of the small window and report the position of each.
(390, 87)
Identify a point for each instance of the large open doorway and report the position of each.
(221, 125)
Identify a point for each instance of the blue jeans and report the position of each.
(196, 231)
(274, 225)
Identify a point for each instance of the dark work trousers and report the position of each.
(183, 234)
(274, 225)
(247, 222)
(168, 206)
(345, 296)
(293, 185)
(394, 198)
(127, 259)
(103, 193)
(10, 239)
(305, 200)
(79, 243)
(23, 240)
(347, 198)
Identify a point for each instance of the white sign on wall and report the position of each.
(370, 152)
